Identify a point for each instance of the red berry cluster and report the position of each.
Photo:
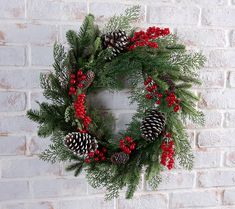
(151, 87)
(76, 81)
(172, 100)
(127, 145)
(98, 155)
(80, 110)
(167, 146)
(143, 38)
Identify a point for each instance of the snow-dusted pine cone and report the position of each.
(169, 82)
(116, 40)
(80, 143)
(90, 75)
(152, 125)
(119, 158)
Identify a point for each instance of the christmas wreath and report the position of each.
(159, 72)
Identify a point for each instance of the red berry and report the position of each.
(148, 96)
(80, 85)
(72, 89)
(97, 152)
(101, 154)
(83, 77)
(132, 147)
(79, 73)
(149, 89)
(122, 141)
(96, 159)
(104, 150)
(91, 154)
(149, 79)
(176, 108)
(72, 81)
(129, 139)
(146, 83)
(103, 158)
(154, 86)
(158, 102)
(127, 151)
(73, 76)
(159, 95)
(87, 160)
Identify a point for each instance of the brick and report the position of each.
(37, 96)
(217, 138)
(213, 119)
(123, 120)
(232, 79)
(230, 158)
(224, 17)
(228, 197)
(212, 159)
(31, 205)
(12, 55)
(177, 180)
(88, 203)
(59, 187)
(232, 38)
(12, 101)
(14, 190)
(28, 33)
(43, 205)
(45, 10)
(174, 15)
(108, 100)
(229, 121)
(17, 124)
(207, 3)
(216, 178)
(217, 99)
(74, 10)
(148, 201)
(212, 79)
(220, 58)
(202, 37)
(28, 167)
(12, 145)
(12, 9)
(194, 199)
(42, 56)
(29, 79)
(14, 206)
(37, 145)
(99, 190)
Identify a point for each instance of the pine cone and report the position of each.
(90, 75)
(80, 143)
(119, 158)
(152, 125)
(169, 82)
(116, 40)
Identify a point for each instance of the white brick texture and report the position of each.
(28, 29)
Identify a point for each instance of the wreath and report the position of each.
(159, 73)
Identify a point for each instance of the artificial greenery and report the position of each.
(56, 118)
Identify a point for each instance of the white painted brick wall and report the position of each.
(28, 29)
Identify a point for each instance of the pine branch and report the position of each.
(76, 167)
(123, 21)
(57, 152)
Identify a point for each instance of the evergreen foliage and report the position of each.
(56, 118)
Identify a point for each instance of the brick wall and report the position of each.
(28, 29)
